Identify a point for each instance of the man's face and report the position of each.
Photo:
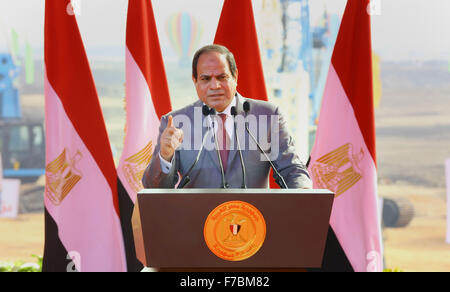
(215, 84)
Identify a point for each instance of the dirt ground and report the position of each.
(21, 238)
(420, 246)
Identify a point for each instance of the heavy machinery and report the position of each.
(22, 141)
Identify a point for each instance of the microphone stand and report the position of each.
(278, 177)
(186, 179)
(224, 185)
(244, 184)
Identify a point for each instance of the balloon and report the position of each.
(184, 33)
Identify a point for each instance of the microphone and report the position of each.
(278, 177)
(186, 179)
(207, 111)
(246, 108)
(224, 185)
(234, 113)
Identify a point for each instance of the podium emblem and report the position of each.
(235, 228)
(235, 231)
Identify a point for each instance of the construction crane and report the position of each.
(290, 43)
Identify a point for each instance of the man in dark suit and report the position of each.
(215, 76)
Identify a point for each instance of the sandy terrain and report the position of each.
(22, 237)
(420, 246)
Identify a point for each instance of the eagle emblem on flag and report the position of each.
(338, 170)
(62, 176)
(135, 166)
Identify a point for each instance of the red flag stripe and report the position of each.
(143, 44)
(237, 32)
(69, 74)
(352, 60)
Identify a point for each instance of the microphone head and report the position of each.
(206, 110)
(246, 107)
(212, 111)
(233, 111)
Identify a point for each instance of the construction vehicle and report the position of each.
(22, 141)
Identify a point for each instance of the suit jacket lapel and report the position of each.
(212, 153)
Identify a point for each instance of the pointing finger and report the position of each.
(170, 122)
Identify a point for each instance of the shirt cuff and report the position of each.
(165, 165)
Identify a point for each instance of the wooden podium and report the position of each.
(231, 229)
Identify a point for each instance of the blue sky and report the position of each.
(403, 30)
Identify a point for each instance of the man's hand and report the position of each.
(170, 140)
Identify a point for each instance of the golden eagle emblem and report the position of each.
(62, 176)
(338, 170)
(135, 166)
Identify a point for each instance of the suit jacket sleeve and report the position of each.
(288, 162)
(154, 177)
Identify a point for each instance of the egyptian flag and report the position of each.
(82, 225)
(343, 158)
(147, 100)
(237, 32)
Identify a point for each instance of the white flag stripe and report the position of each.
(142, 123)
(86, 218)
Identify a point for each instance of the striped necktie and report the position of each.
(224, 141)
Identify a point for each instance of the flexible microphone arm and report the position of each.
(186, 179)
(278, 177)
(244, 184)
(224, 185)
